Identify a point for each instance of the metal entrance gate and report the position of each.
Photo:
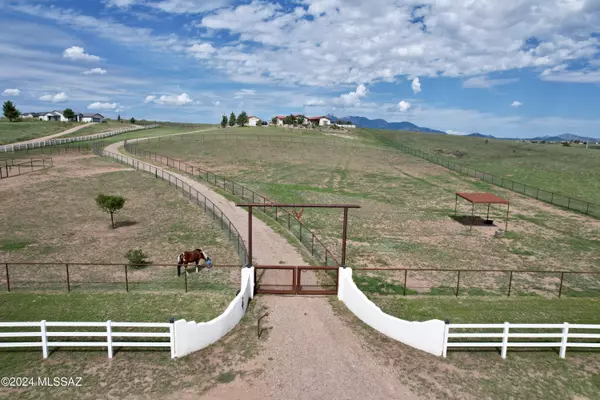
(302, 280)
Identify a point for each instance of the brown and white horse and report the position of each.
(192, 256)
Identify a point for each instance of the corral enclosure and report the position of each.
(51, 217)
(406, 216)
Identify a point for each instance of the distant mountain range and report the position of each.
(565, 137)
(363, 122)
(379, 123)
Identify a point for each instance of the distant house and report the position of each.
(55, 115)
(305, 122)
(253, 121)
(279, 119)
(321, 121)
(86, 117)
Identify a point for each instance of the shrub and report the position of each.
(136, 257)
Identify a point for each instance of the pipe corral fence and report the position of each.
(11, 167)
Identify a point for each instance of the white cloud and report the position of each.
(404, 106)
(180, 100)
(314, 103)
(120, 3)
(103, 106)
(188, 6)
(57, 98)
(244, 93)
(201, 50)
(416, 85)
(560, 73)
(483, 82)
(352, 99)
(11, 92)
(516, 104)
(216, 103)
(95, 71)
(77, 53)
(451, 132)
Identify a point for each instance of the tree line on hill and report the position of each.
(241, 119)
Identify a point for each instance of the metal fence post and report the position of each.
(186, 285)
(510, 283)
(457, 283)
(126, 280)
(405, 280)
(68, 279)
(7, 278)
(562, 277)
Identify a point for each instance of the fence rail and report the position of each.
(54, 142)
(193, 194)
(109, 333)
(503, 282)
(557, 199)
(306, 236)
(74, 276)
(9, 168)
(502, 332)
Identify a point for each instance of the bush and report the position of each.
(136, 257)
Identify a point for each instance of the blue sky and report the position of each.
(510, 68)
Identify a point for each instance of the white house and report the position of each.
(321, 121)
(91, 117)
(279, 120)
(253, 121)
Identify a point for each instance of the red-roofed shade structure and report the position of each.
(482, 198)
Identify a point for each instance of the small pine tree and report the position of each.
(110, 204)
(242, 119)
(232, 119)
(119, 118)
(224, 121)
(132, 120)
(10, 111)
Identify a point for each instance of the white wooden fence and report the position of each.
(108, 334)
(54, 142)
(562, 333)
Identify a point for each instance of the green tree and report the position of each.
(274, 120)
(224, 121)
(119, 118)
(69, 114)
(289, 120)
(132, 120)
(232, 119)
(10, 111)
(301, 120)
(110, 204)
(242, 119)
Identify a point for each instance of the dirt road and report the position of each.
(65, 132)
(310, 353)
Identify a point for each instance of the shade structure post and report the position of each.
(507, 211)
(472, 216)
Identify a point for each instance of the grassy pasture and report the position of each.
(87, 145)
(406, 216)
(13, 132)
(131, 373)
(571, 171)
(110, 125)
(51, 216)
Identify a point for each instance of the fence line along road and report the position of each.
(309, 240)
(110, 331)
(9, 168)
(561, 336)
(193, 194)
(54, 142)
